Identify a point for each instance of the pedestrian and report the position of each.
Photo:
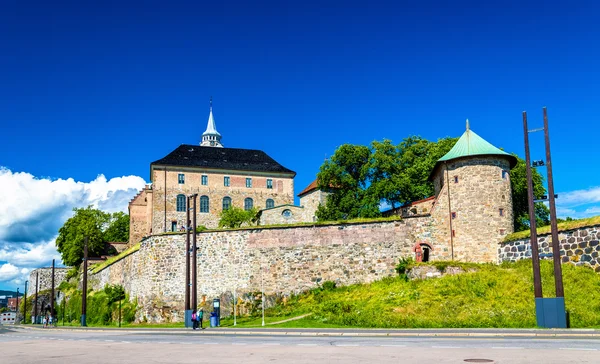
(199, 318)
(50, 321)
(45, 320)
(194, 320)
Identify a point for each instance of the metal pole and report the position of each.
(262, 288)
(25, 304)
(52, 297)
(195, 259)
(558, 282)
(187, 255)
(17, 308)
(535, 257)
(37, 283)
(449, 213)
(84, 293)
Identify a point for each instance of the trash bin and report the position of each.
(213, 319)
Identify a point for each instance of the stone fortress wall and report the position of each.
(45, 278)
(579, 246)
(290, 260)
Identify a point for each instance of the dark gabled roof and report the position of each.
(222, 158)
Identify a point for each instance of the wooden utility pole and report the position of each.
(558, 282)
(84, 293)
(535, 257)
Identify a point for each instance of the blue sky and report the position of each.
(92, 92)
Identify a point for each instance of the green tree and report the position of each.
(86, 222)
(347, 175)
(234, 217)
(518, 182)
(416, 159)
(118, 229)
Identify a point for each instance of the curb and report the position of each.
(586, 333)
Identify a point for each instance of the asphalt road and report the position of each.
(37, 345)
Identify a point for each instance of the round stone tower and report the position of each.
(473, 208)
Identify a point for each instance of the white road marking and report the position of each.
(447, 347)
(507, 347)
(394, 346)
(587, 349)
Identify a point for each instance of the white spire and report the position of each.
(211, 137)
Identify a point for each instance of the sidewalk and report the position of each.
(558, 333)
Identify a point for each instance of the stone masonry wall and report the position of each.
(579, 246)
(281, 193)
(290, 260)
(276, 215)
(45, 278)
(478, 213)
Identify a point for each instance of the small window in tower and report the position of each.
(269, 183)
(454, 215)
(181, 178)
(204, 180)
(249, 182)
(504, 174)
(453, 233)
(501, 211)
(455, 179)
(502, 232)
(226, 181)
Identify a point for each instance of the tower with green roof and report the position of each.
(473, 209)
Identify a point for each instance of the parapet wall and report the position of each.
(579, 246)
(285, 260)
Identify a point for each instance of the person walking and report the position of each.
(194, 320)
(199, 318)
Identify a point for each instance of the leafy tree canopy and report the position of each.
(361, 178)
(98, 226)
(234, 217)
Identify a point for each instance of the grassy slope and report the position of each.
(494, 296)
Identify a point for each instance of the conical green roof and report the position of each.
(471, 144)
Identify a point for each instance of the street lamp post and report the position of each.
(25, 304)
(84, 293)
(17, 308)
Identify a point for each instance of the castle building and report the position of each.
(221, 177)
(472, 210)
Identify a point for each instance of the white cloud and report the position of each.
(33, 209)
(8, 272)
(579, 203)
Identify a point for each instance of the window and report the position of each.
(248, 182)
(204, 180)
(226, 181)
(173, 226)
(455, 179)
(454, 215)
(204, 204)
(180, 202)
(269, 183)
(504, 174)
(181, 178)
(226, 203)
(502, 232)
(501, 211)
(287, 213)
(453, 233)
(270, 203)
(248, 204)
